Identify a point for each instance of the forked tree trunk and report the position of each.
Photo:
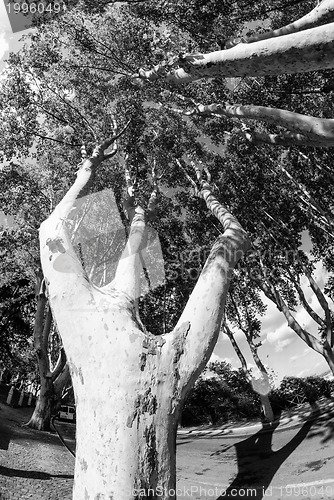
(130, 385)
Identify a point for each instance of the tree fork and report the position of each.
(128, 447)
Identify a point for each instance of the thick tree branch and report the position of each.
(323, 303)
(316, 129)
(63, 380)
(310, 50)
(277, 298)
(303, 300)
(58, 256)
(323, 13)
(198, 328)
(236, 347)
(285, 139)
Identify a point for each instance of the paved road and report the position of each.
(248, 463)
(281, 463)
(33, 465)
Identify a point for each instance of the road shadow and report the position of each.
(5, 436)
(29, 474)
(324, 425)
(258, 463)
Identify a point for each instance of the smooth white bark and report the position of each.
(323, 13)
(309, 50)
(316, 129)
(285, 139)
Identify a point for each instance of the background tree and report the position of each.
(220, 394)
(26, 198)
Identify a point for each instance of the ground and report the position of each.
(32, 464)
(298, 451)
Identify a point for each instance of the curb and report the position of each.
(287, 422)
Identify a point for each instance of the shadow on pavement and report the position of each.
(324, 426)
(258, 463)
(5, 436)
(6, 471)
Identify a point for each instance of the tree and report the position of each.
(160, 370)
(309, 50)
(28, 199)
(304, 130)
(258, 378)
(53, 379)
(220, 394)
(83, 88)
(323, 13)
(16, 310)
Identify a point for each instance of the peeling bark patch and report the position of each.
(178, 343)
(84, 465)
(56, 245)
(150, 345)
(133, 336)
(142, 362)
(150, 437)
(76, 371)
(81, 376)
(149, 403)
(148, 472)
(145, 403)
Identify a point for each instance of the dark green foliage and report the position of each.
(90, 54)
(294, 391)
(224, 397)
(228, 396)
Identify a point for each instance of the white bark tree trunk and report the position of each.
(285, 139)
(323, 13)
(304, 130)
(311, 127)
(130, 385)
(309, 50)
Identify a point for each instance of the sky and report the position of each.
(9, 41)
(282, 350)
